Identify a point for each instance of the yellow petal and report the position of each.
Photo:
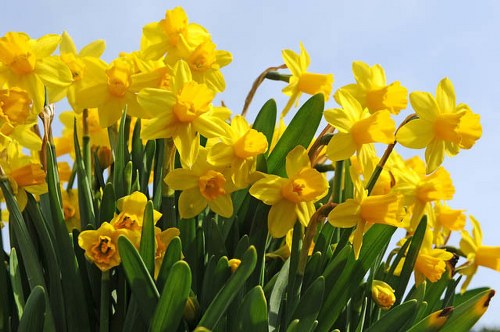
(305, 211)
(222, 205)
(345, 215)
(93, 49)
(434, 155)
(424, 105)
(268, 189)
(187, 143)
(416, 134)
(445, 96)
(181, 179)
(341, 147)
(281, 218)
(296, 160)
(191, 203)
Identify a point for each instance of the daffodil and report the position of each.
(202, 185)
(182, 113)
(383, 294)
(372, 91)
(430, 263)
(239, 150)
(291, 198)
(163, 239)
(205, 62)
(303, 81)
(17, 118)
(71, 209)
(131, 214)
(101, 245)
(444, 220)
(28, 64)
(477, 253)
(442, 126)
(110, 90)
(173, 34)
(356, 127)
(24, 172)
(363, 210)
(419, 190)
(83, 64)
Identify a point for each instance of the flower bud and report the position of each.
(383, 294)
(234, 263)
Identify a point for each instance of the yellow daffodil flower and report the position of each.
(202, 185)
(442, 127)
(239, 150)
(83, 64)
(356, 127)
(163, 239)
(24, 172)
(383, 294)
(372, 91)
(101, 246)
(291, 198)
(71, 209)
(419, 190)
(477, 253)
(430, 263)
(205, 63)
(131, 214)
(173, 34)
(182, 113)
(303, 81)
(444, 220)
(110, 90)
(363, 210)
(17, 118)
(27, 63)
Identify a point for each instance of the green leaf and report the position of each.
(433, 322)
(213, 239)
(147, 164)
(310, 303)
(173, 299)
(108, 204)
(300, 131)
(173, 255)
(120, 159)
(140, 281)
(374, 241)
(461, 298)
(16, 282)
(148, 244)
(396, 319)
(137, 147)
(277, 296)
(466, 314)
(158, 171)
(34, 311)
(252, 312)
(216, 275)
(266, 120)
(226, 295)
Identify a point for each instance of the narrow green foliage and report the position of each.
(147, 246)
(266, 120)
(309, 306)
(172, 255)
(396, 319)
(34, 312)
(252, 312)
(120, 153)
(16, 283)
(108, 204)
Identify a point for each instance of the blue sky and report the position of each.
(417, 42)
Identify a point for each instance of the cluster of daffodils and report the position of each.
(167, 88)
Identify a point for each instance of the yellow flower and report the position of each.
(27, 63)
(363, 210)
(239, 149)
(442, 127)
(174, 34)
(82, 64)
(303, 81)
(163, 239)
(430, 263)
(383, 294)
(201, 185)
(291, 198)
(71, 209)
(17, 118)
(234, 263)
(24, 172)
(356, 127)
(101, 246)
(420, 189)
(182, 113)
(477, 253)
(205, 63)
(445, 220)
(131, 209)
(372, 91)
(110, 90)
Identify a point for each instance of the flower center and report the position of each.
(14, 105)
(203, 57)
(192, 101)
(212, 185)
(312, 83)
(446, 127)
(75, 65)
(175, 24)
(251, 144)
(119, 78)
(103, 250)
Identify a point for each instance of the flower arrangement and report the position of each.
(176, 214)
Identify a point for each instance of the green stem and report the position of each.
(275, 76)
(104, 317)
